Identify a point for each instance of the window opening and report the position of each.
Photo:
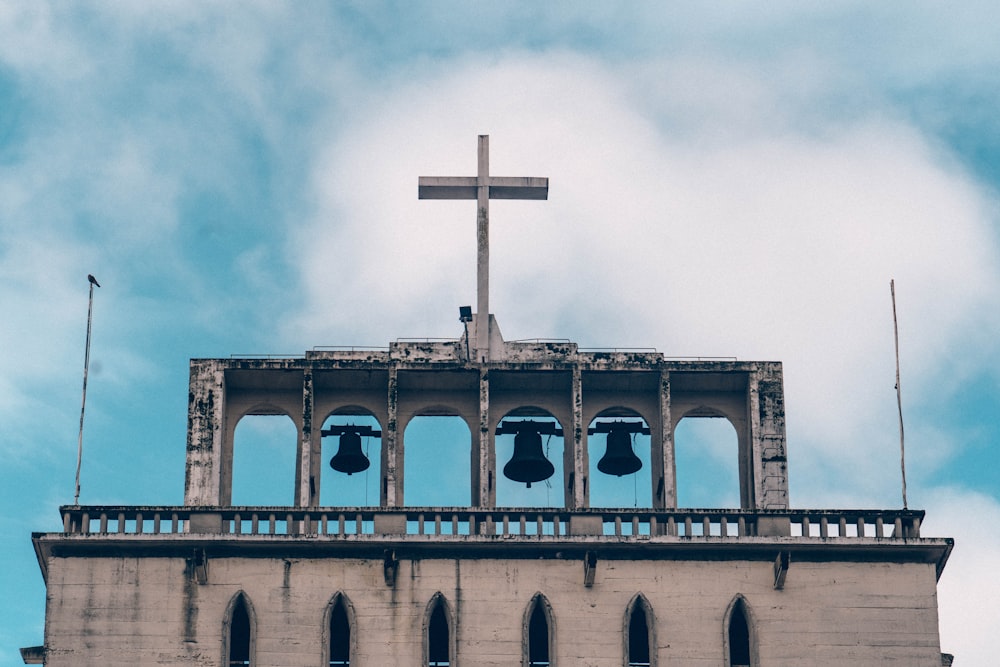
(532, 441)
(437, 637)
(239, 634)
(739, 636)
(359, 489)
(619, 437)
(437, 462)
(340, 635)
(264, 460)
(707, 457)
(538, 637)
(638, 638)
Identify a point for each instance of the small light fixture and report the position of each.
(465, 314)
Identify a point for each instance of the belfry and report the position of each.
(501, 581)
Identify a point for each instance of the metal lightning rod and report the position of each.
(83, 404)
(899, 398)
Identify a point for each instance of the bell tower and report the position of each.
(504, 579)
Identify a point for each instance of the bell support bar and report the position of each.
(529, 426)
(618, 425)
(350, 428)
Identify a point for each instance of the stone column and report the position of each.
(306, 484)
(392, 477)
(206, 458)
(579, 493)
(484, 491)
(664, 467)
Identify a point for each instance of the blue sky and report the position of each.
(737, 180)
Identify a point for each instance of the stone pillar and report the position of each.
(578, 495)
(203, 483)
(768, 435)
(664, 477)
(392, 477)
(484, 491)
(306, 482)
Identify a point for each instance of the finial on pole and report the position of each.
(83, 405)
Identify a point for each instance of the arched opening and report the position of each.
(538, 642)
(620, 439)
(238, 633)
(437, 462)
(738, 635)
(640, 644)
(264, 460)
(529, 439)
(706, 452)
(360, 488)
(339, 629)
(438, 635)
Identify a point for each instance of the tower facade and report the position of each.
(497, 580)
(210, 583)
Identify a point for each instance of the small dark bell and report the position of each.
(619, 459)
(528, 464)
(349, 457)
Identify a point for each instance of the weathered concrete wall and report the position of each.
(118, 611)
(426, 379)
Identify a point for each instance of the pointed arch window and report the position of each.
(739, 635)
(438, 636)
(538, 633)
(340, 616)
(639, 633)
(239, 633)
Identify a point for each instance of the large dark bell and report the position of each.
(619, 459)
(528, 464)
(349, 457)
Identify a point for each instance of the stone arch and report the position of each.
(550, 492)
(263, 458)
(439, 633)
(634, 490)
(239, 632)
(707, 443)
(339, 635)
(639, 633)
(739, 634)
(441, 435)
(355, 490)
(538, 630)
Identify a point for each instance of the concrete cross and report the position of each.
(483, 187)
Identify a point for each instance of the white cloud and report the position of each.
(969, 587)
(777, 242)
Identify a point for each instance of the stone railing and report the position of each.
(508, 522)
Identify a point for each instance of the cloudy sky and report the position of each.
(742, 180)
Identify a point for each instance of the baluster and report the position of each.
(706, 526)
(618, 524)
(104, 523)
(724, 526)
(861, 526)
(916, 528)
(174, 523)
(805, 526)
(824, 527)
(359, 524)
(138, 523)
(454, 524)
(879, 526)
(741, 526)
(437, 524)
(85, 523)
(652, 526)
(307, 525)
(420, 524)
(522, 524)
(254, 524)
(156, 523)
(539, 525)
(898, 526)
(687, 526)
(842, 526)
(237, 524)
(635, 525)
(506, 525)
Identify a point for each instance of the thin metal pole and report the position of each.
(899, 398)
(83, 404)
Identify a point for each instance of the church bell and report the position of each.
(619, 458)
(528, 464)
(349, 457)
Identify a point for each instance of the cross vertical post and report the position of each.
(482, 188)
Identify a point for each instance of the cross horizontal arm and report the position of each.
(465, 187)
